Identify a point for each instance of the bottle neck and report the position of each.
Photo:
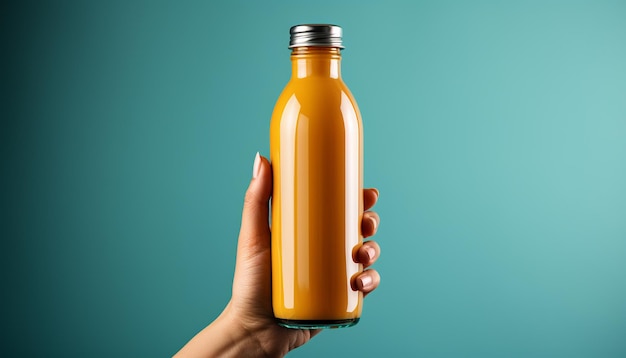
(316, 62)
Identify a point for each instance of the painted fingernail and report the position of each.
(364, 282)
(374, 222)
(371, 252)
(257, 165)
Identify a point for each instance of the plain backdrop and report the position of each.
(495, 131)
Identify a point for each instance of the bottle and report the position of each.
(316, 146)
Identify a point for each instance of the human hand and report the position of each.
(247, 326)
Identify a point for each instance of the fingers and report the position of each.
(368, 253)
(370, 220)
(254, 221)
(369, 223)
(370, 197)
(367, 281)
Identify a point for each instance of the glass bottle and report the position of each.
(316, 146)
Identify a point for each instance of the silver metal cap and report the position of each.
(310, 35)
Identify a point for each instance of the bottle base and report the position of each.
(316, 324)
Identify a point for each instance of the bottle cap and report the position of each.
(311, 35)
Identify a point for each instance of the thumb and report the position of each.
(255, 230)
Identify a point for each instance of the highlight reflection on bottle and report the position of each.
(316, 151)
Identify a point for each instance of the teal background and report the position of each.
(495, 131)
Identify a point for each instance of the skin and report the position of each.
(246, 327)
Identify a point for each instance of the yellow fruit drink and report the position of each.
(316, 154)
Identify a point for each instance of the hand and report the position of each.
(247, 327)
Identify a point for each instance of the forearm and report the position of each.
(222, 338)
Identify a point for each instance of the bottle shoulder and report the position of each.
(324, 100)
(311, 91)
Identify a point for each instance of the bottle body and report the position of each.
(316, 151)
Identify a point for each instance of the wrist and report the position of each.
(245, 337)
(226, 336)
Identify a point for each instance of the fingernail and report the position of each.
(374, 222)
(371, 252)
(377, 192)
(365, 281)
(257, 166)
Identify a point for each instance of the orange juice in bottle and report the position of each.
(316, 146)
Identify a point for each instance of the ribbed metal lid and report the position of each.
(321, 35)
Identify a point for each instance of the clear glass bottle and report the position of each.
(316, 146)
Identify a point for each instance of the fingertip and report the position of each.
(261, 166)
(368, 253)
(370, 197)
(260, 186)
(367, 281)
(369, 223)
(376, 192)
(254, 222)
